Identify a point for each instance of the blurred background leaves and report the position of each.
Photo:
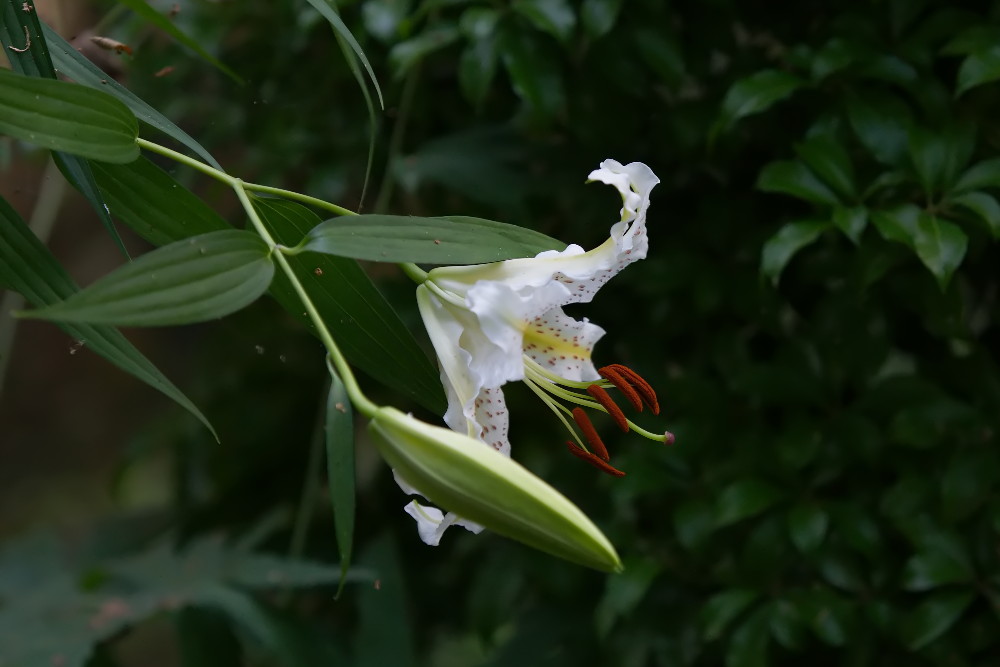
(832, 494)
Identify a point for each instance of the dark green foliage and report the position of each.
(831, 498)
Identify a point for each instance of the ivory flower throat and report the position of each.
(496, 323)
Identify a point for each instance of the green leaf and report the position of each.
(748, 647)
(384, 636)
(880, 121)
(754, 94)
(788, 240)
(365, 326)
(978, 68)
(744, 499)
(386, 20)
(830, 617)
(408, 53)
(67, 117)
(938, 156)
(143, 9)
(933, 618)
(339, 428)
(28, 267)
(153, 204)
(796, 179)
(694, 521)
(328, 9)
(787, 624)
(477, 65)
(851, 221)
(622, 594)
(442, 240)
(70, 62)
(826, 157)
(555, 17)
(662, 53)
(79, 173)
(721, 610)
(533, 71)
(842, 570)
(985, 174)
(985, 206)
(836, 55)
(197, 279)
(599, 16)
(931, 569)
(939, 244)
(807, 526)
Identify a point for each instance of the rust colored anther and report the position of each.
(604, 398)
(638, 383)
(615, 378)
(590, 433)
(603, 466)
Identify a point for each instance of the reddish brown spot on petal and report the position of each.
(604, 398)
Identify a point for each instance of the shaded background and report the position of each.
(831, 495)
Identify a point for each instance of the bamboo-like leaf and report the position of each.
(328, 8)
(67, 117)
(197, 279)
(28, 268)
(443, 240)
(73, 64)
(365, 326)
(340, 469)
(142, 8)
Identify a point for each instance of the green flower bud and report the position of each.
(479, 484)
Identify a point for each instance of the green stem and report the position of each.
(414, 273)
(189, 161)
(360, 401)
(305, 199)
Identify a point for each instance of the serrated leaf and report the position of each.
(442, 240)
(28, 267)
(720, 610)
(788, 240)
(978, 68)
(555, 17)
(754, 94)
(794, 178)
(339, 431)
(743, 499)
(880, 121)
(807, 526)
(71, 63)
(851, 221)
(365, 326)
(985, 206)
(985, 174)
(408, 53)
(934, 568)
(599, 16)
(67, 117)
(144, 10)
(826, 157)
(935, 616)
(197, 279)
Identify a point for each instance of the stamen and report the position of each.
(668, 438)
(604, 398)
(639, 383)
(593, 460)
(590, 433)
(612, 376)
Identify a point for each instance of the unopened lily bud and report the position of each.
(482, 485)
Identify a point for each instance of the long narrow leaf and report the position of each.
(340, 469)
(445, 240)
(73, 64)
(328, 8)
(28, 268)
(17, 21)
(201, 278)
(365, 326)
(142, 8)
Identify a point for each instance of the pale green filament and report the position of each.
(557, 409)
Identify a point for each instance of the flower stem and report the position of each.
(359, 400)
(305, 199)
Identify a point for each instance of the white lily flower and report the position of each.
(501, 322)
